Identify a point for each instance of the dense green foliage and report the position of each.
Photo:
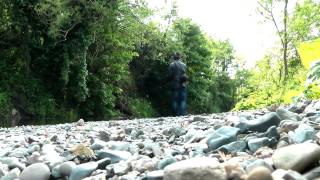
(67, 59)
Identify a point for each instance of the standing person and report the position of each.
(178, 78)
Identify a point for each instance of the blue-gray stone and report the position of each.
(55, 172)
(153, 147)
(250, 136)
(196, 153)
(98, 144)
(313, 173)
(66, 167)
(190, 134)
(177, 131)
(258, 163)
(33, 148)
(310, 114)
(270, 133)
(255, 144)
(165, 162)
(264, 122)
(104, 136)
(19, 152)
(245, 163)
(222, 136)
(114, 155)
(2, 172)
(285, 114)
(136, 133)
(237, 146)
(83, 170)
(103, 163)
(12, 175)
(243, 126)
(303, 133)
(133, 148)
(12, 162)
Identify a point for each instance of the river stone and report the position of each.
(165, 162)
(256, 143)
(195, 169)
(155, 175)
(118, 145)
(3, 169)
(177, 131)
(120, 168)
(258, 163)
(260, 173)
(80, 122)
(271, 133)
(197, 151)
(114, 155)
(303, 133)
(83, 170)
(222, 136)
(237, 146)
(12, 175)
(288, 125)
(263, 123)
(197, 118)
(287, 174)
(12, 162)
(143, 164)
(51, 155)
(296, 157)
(66, 168)
(34, 158)
(136, 133)
(242, 125)
(313, 106)
(299, 107)
(313, 173)
(234, 171)
(104, 136)
(39, 171)
(293, 175)
(285, 114)
(33, 148)
(193, 135)
(98, 144)
(55, 172)
(153, 148)
(19, 152)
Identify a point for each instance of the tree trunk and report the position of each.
(285, 41)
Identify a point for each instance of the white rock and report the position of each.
(195, 169)
(38, 171)
(296, 157)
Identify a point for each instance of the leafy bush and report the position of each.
(141, 108)
(5, 105)
(312, 91)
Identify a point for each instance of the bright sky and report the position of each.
(236, 20)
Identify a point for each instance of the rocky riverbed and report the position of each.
(275, 143)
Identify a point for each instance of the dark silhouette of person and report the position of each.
(178, 78)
